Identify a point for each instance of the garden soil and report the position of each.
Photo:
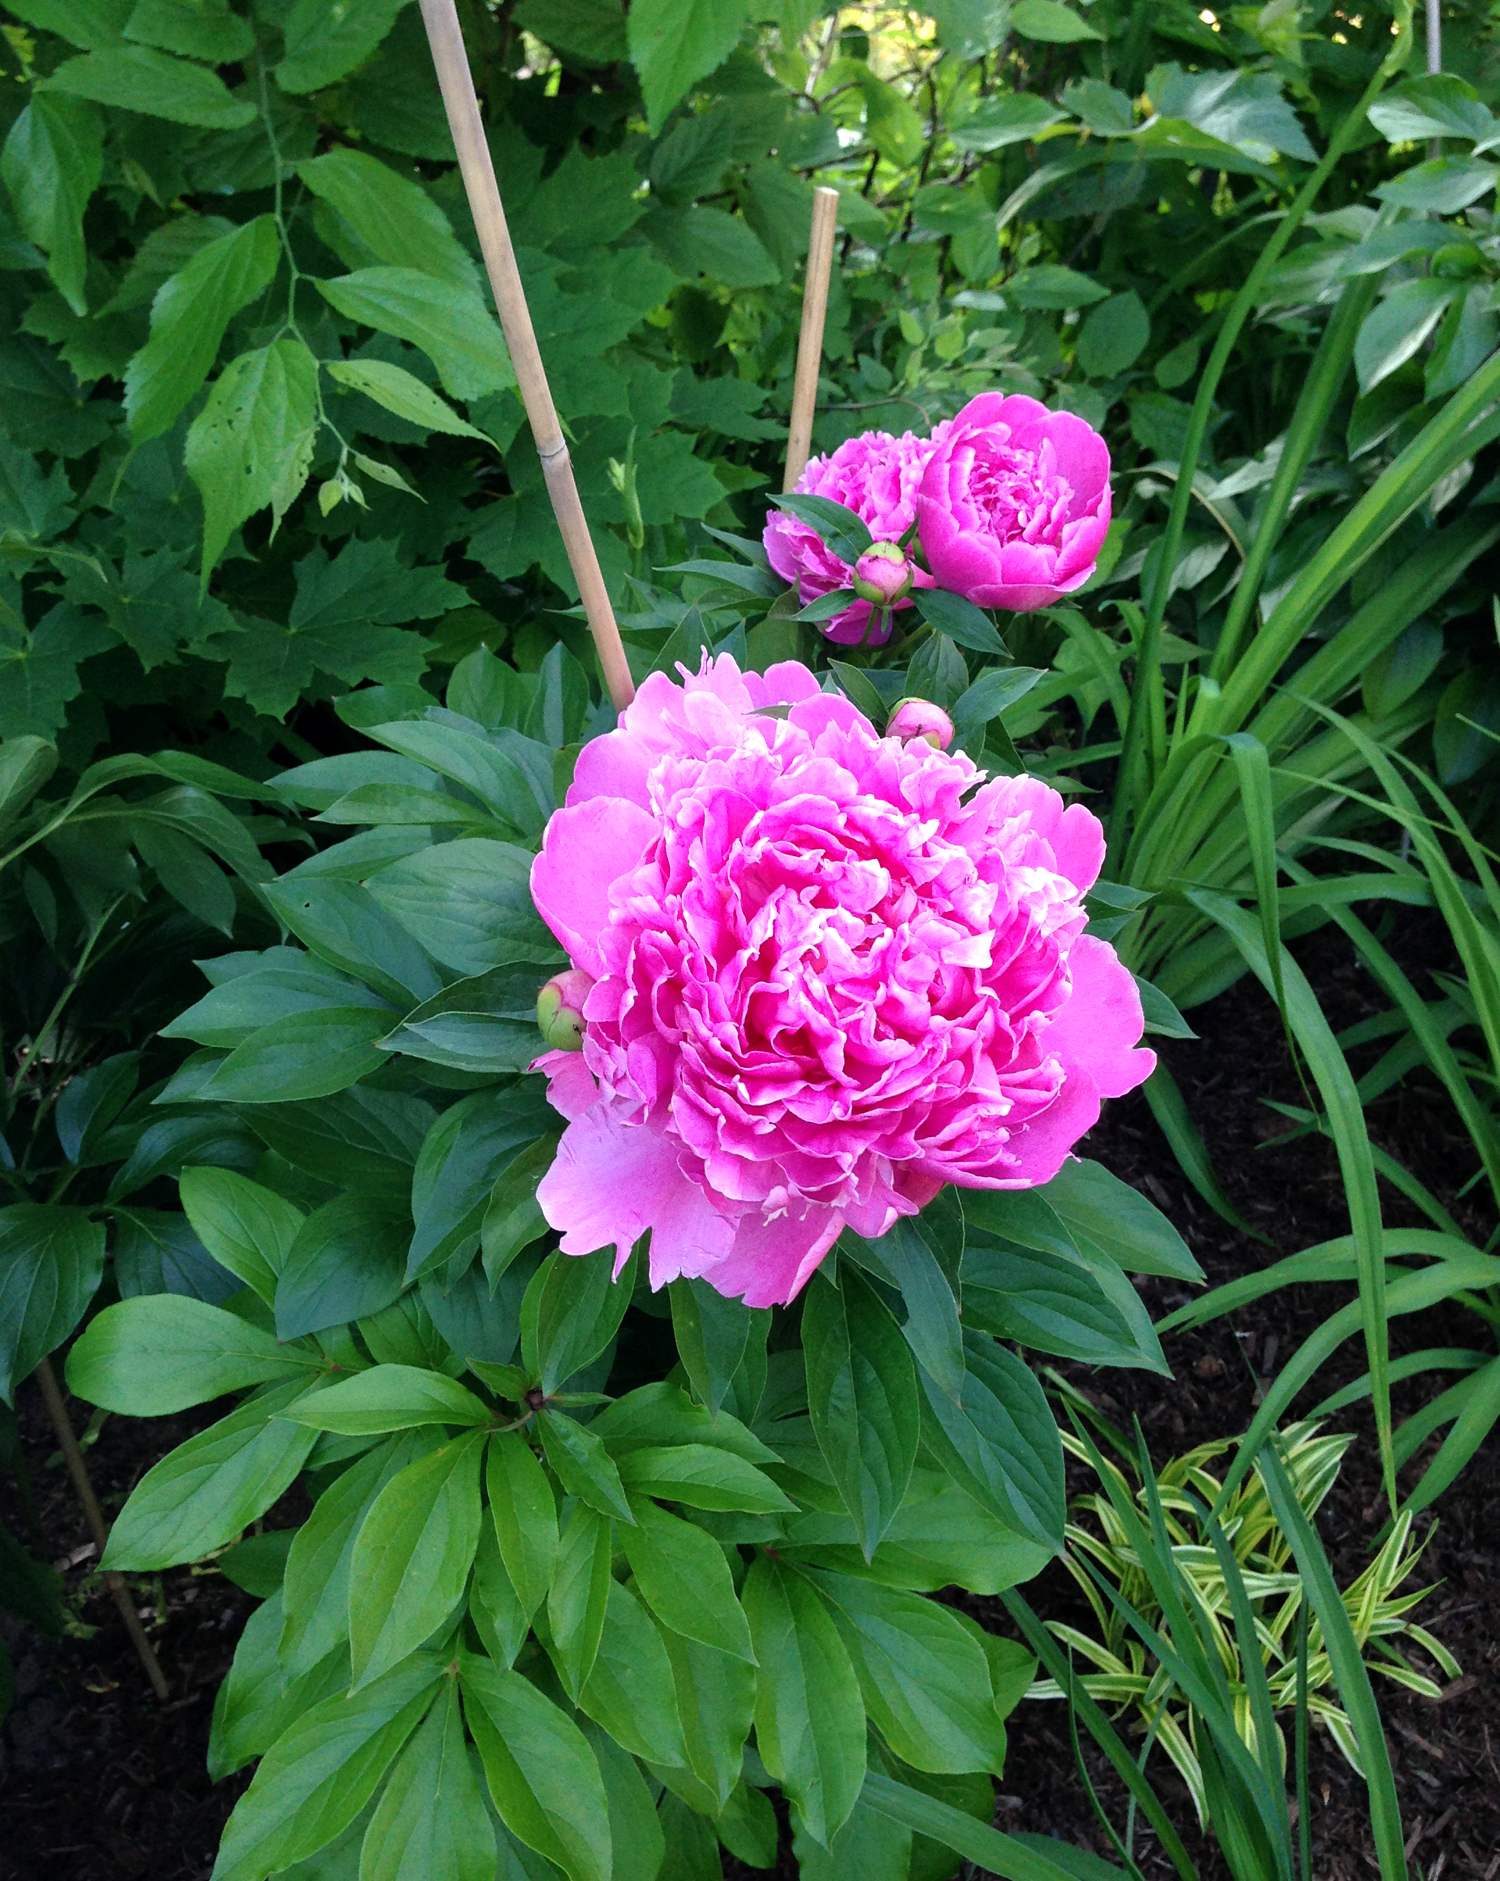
(100, 1782)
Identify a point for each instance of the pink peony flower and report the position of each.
(876, 476)
(834, 971)
(1014, 503)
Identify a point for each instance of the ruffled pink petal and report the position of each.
(1102, 1023)
(616, 765)
(1012, 409)
(588, 846)
(571, 1089)
(1041, 1148)
(782, 684)
(1079, 452)
(611, 1181)
(772, 1261)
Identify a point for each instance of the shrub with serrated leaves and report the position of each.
(601, 1535)
(245, 317)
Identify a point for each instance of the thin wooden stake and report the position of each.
(94, 1516)
(456, 82)
(825, 215)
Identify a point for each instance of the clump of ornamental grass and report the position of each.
(1208, 1545)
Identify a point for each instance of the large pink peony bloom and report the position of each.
(831, 975)
(876, 476)
(1014, 503)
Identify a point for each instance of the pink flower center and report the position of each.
(1019, 492)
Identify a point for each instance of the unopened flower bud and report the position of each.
(882, 574)
(920, 718)
(559, 1009)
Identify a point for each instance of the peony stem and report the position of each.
(825, 215)
(445, 37)
(57, 1411)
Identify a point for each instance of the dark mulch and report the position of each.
(100, 1783)
(98, 1780)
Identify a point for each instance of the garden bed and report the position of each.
(102, 1783)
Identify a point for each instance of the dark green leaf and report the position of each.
(391, 1397)
(809, 1716)
(322, 1771)
(51, 164)
(209, 1488)
(541, 1772)
(958, 619)
(431, 1819)
(451, 1186)
(862, 1396)
(91, 1101)
(467, 902)
(843, 532)
(578, 1596)
(1075, 1308)
(347, 1262)
(149, 1357)
(999, 1441)
(572, 1310)
(311, 1054)
(343, 924)
(682, 1575)
(412, 1556)
(247, 1227)
(924, 1679)
(51, 1261)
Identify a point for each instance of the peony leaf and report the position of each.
(838, 527)
(862, 1397)
(959, 619)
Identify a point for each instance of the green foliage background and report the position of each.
(268, 500)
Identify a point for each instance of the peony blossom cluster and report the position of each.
(1011, 504)
(877, 477)
(820, 974)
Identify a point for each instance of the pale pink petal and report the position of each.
(772, 1261)
(616, 765)
(612, 1181)
(782, 684)
(571, 1089)
(587, 846)
(1012, 409)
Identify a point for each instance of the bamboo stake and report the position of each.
(94, 1516)
(456, 82)
(825, 215)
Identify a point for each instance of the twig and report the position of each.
(94, 1515)
(456, 82)
(825, 215)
